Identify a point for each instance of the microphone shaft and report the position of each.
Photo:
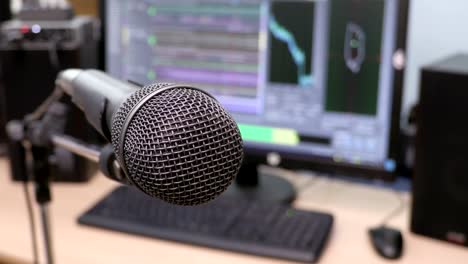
(97, 94)
(76, 147)
(108, 165)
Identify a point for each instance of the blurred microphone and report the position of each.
(174, 142)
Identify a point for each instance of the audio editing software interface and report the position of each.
(304, 77)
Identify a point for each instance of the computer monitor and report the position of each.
(312, 84)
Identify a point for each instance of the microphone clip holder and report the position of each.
(40, 134)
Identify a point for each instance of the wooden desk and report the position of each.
(355, 207)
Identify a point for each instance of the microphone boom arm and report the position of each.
(104, 156)
(89, 152)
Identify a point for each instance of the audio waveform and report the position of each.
(297, 54)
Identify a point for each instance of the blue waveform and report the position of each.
(298, 56)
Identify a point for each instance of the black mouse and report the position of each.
(388, 242)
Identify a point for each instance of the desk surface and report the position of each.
(355, 207)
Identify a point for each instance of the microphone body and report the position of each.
(173, 142)
(97, 94)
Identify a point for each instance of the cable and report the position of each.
(395, 212)
(290, 174)
(56, 94)
(53, 55)
(42, 109)
(311, 181)
(32, 223)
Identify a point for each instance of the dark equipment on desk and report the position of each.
(253, 227)
(5, 14)
(5, 10)
(440, 185)
(34, 47)
(388, 242)
(32, 52)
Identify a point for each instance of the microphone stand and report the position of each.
(41, 175)
(90, 152)
(40, 135)
(34, 133)
(40, 132)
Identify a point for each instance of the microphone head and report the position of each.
(177, 143)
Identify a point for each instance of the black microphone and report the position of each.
(174, 142)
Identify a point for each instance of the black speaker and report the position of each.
(440, 186)
(4, 15)
(30, 64)
(5, 11)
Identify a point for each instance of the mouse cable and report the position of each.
(277, 171)
(395, 212)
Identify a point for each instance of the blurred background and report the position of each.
(351, 113)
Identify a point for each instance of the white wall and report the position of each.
(15, 5)
(437, 28)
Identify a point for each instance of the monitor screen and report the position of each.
(310, 79)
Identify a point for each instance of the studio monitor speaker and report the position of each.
(29, 66)
(440, 186)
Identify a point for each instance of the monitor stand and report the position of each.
(255, 186)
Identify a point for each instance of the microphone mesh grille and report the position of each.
(180, 145)
(119, 118)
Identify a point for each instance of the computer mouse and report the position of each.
(388, 242)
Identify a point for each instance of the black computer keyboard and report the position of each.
(260, 228)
